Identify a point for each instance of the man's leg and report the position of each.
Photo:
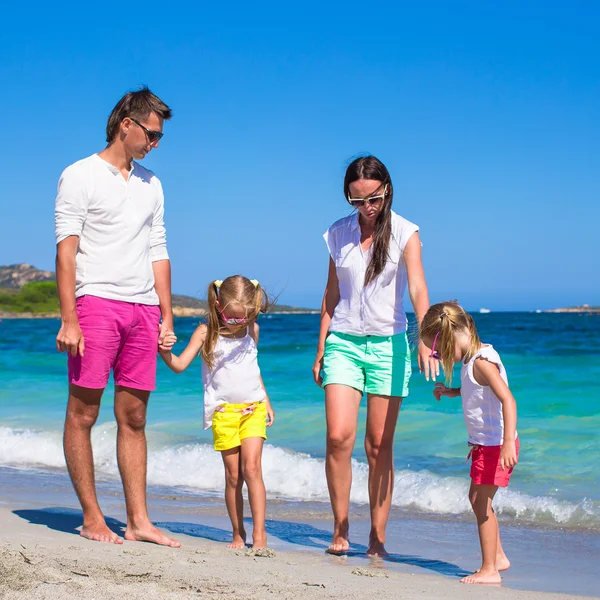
(130, 412)
(82, 412)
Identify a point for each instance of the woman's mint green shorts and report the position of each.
(372, 364)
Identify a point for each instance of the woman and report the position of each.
(363, 346)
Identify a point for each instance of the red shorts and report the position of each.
(485, 466)
(121, 336)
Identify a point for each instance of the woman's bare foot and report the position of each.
(149, 533)
(259, 539)
(481, 576)
(238, 541)
(100, 533)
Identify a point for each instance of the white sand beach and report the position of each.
(43, 563)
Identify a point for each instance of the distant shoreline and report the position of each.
(177, 312)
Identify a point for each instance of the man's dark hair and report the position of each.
(137, 105)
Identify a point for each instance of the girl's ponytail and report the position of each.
(213, 325)
(440, 324)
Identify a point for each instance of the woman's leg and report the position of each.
(382, 415)
(341, 407)
(233, 496)
(257, 495)
(481, 497)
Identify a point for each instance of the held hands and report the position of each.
(427, 364)
(168, 342)
(508, 455)
(317, 368)
(70, 338)
(165, 328)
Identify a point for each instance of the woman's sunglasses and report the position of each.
(371, 200)
(153, 136)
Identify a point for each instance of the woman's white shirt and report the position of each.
(376, 309)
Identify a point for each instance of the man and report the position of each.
(114, 284)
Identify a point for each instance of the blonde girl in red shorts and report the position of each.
(490, 413)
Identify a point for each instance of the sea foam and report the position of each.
(292, 475)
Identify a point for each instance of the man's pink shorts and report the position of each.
(121, 336)
(485, 466)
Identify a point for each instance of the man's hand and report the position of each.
(168, 342)
(70, 338)
(164, 329)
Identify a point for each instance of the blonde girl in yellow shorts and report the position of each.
(236, 404)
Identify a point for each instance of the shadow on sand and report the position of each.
(68, 520)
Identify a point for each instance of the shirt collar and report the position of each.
(114, 170)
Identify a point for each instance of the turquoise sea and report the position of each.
(550, 514)
(553, 364)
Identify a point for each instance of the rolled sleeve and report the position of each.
(158, 233)
(71, 205)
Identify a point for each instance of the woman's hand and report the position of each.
(270, 414)
(427, 364)
(317, 368)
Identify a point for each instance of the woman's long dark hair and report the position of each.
(369, 167)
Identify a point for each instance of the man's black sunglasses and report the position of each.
(153, 136)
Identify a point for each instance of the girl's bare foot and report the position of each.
(238, 541)
(502, 563)
(259, 539)
(481, 576)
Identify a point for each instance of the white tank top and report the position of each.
(235, 377)
(481, 408)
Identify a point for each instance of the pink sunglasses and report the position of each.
(232, 320)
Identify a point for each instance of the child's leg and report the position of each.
(502, 562)
(481, 497)
(257, 495)
(233, 496)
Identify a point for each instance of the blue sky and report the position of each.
(486, 115)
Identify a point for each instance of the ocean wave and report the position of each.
(292, 475)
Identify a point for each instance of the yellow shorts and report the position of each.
(232, 426)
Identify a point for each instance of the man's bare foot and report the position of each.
(482, 576)
(377, 549)
(238, 541)
(151, 534)
(339, 545)
(259, 539)
(100, 533)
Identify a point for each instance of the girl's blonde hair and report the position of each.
(236, 289)
(445, 320)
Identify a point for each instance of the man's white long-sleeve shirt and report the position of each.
(120, 227)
